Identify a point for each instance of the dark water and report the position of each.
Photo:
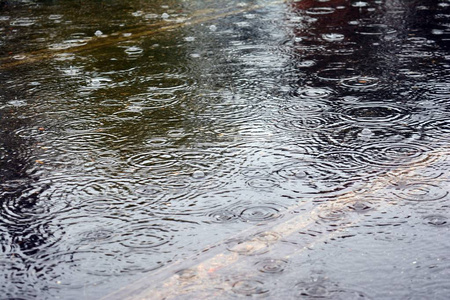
(136, 133)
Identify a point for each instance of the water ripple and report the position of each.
(420, 192)
(374, 113)
(337, 74)
(388, 155)
(260, 213)
(249, 288)
(272, 266)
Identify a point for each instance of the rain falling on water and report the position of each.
(194, 149)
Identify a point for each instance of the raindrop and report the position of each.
(259, 213)
(314, 93)
(249, 288)
(312, 290)
(360, 83)
(247, 247)
(271, 266)
(436, 220)
(186, 274)
(222, 216)
(361, 206)
(96, 235)
(293, 172)
(333, 215)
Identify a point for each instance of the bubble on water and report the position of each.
(72, 71)
(333, 37)
(55, 17)
(198, 174)
(98, 33)
(366, 132)
(320, 10)
(19, 57)
(134, 51)
(189, 38)
(360, 4)
(137, 13)
(23, 22)
(165, 16)
(306, 63)
(213, 28)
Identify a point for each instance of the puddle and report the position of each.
(263, 149)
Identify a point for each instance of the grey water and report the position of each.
(134, 134)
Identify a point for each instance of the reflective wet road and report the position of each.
(308, 141)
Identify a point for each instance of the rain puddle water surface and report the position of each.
(280, 149)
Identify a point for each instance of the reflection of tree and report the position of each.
(374, 35)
